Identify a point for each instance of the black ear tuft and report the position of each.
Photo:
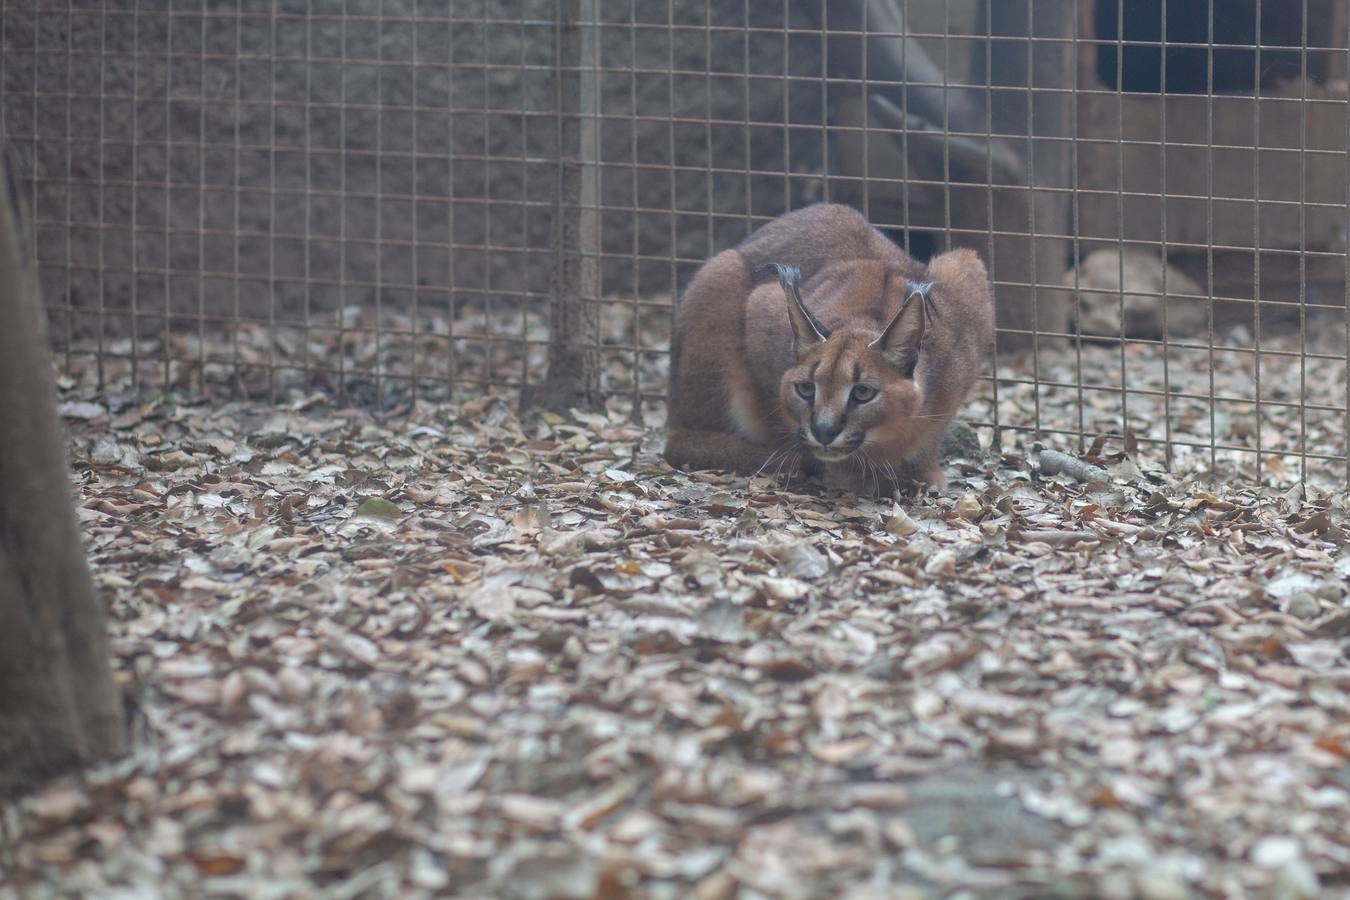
(924, 290)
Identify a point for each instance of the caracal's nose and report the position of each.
(825, 432)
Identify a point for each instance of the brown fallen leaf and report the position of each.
(840, 752)
(216, 864)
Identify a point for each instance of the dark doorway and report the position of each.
(1189, 22)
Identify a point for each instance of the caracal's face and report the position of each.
(845, 396)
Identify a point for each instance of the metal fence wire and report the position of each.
(393, 200)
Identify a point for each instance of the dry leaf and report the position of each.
(562, 668)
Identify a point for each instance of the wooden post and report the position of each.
(59, 704)
(573, 374)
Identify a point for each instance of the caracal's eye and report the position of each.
(862, 393)
(806, 390)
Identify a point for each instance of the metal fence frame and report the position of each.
(393, 199)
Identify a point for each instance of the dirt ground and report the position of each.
(458, 653)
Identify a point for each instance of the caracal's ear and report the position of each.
(899, 343)
(807, 331)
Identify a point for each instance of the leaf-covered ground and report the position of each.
(459, 654)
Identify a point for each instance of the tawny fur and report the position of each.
(740, 352)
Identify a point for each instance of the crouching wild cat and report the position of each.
(819, 340)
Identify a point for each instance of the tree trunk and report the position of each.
(59, 705)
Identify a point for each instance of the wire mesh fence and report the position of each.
(391, 200)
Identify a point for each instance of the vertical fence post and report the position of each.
(573, 370)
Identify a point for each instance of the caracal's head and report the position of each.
(851, 389)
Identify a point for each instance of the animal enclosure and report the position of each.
(386, 201)
(361, 313)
